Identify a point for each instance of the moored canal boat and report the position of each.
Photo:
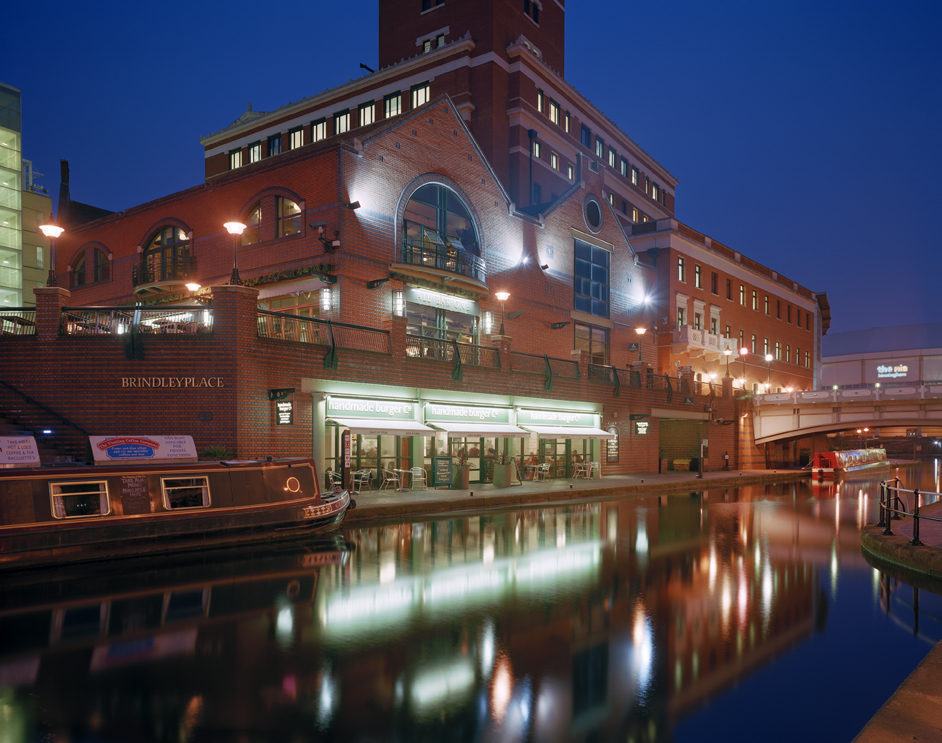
(831, 464)
(54, 515)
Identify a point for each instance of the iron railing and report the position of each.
(299, 329)
(18, 321)
(176, 319)
(893, 506)
(442, 257)
(145, 273)
(444, 350)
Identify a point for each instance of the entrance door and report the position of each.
(555, 453)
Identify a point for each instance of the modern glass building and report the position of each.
(11, 199)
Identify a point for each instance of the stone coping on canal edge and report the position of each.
(896, 550)
(375, 505)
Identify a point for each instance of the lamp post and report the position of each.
(502, 297)
(727, 353)
(235, 229)
(768, 361)
(52, 231)
(862, 436)
(640, 332)
(743, 352)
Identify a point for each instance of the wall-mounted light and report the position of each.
(488, 323)
(354, 205)
(376, 282)
(399, 304)
(558, 325)
(515, 314)
(327, 299)
(330, 245)
(318, 227)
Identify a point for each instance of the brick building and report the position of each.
(396, 287)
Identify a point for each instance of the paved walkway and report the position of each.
(373, 505)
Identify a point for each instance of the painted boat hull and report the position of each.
(832, 465)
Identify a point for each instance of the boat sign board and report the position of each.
(112, 449)
(18, 451)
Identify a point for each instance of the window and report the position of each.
(554, 160)
(586, 137)
(319, 130)
(570, 173)
(755, 300)
(72, 500)
(729, 289)
(634, 215)
(681, 270)
(567, 122)
(647, 185)
(235, 159)
(727, 332)
(713, 279)
(185, 492)
(713, 325)
(537, 149)
(101, 264)
(594, 340)
(78, 272)
(612, 157)
(742, 295)
(753, 347)
(778, 350)
(655, 191)
(634, 176)
(624, 167)
(253, 226)
(437, 220)
(255, 152)
(741, 339)
(421, 94)
(426, 46)
(599, 147)
(274, 145)
(765, 347)
(798, 317)
(778, 308)
(624, 207)
(295, 138)
(554, 112)
(807, 321)
(697, 320)
(697, 279)
(429, 4)
(289, 217)
(366, 113)
(766, 304)
(39, 254)
(789, 312)
(167, 255)
(807, 360)
(797, 355)
(392, 105)
(342, 122)
(540, 101)
(788, 353)
(531, 9)
(591, 279)
(611, 198)
(681, 316)
(440, 41)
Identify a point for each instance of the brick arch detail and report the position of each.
(268, 192)
(165, 222)
(442, 180)
(83, 249)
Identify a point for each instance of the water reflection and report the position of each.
(600, 621)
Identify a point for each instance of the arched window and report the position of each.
(436, 216)
(289, 217)
(102, 265)
(167, 255)
(78, 272)
(253, 225)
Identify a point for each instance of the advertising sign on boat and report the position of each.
(18, 451)
(111, 449)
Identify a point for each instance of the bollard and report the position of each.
(915, 541)
(887, 531)
(882, 503)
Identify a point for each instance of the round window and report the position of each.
(593, 213)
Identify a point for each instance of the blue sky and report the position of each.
(805, 135)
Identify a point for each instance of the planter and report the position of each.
(502, 475)
(462, 477)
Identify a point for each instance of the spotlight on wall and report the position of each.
(353, 205)
(558, 325)
(545, 267)
(330, 245)
(318, 227)
(376, 282)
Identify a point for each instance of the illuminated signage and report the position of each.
(347, 407)
(642, 427)
(443, 301)
(284, 413)
(172, 382)
(892, 372)
(555, 418)
(470, 413)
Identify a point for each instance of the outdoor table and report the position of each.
(530, 471)
(402, 479)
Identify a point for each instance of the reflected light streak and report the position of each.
(327, 699)
(641, 543)
(502, 687)
(642, 656)
(766, 593)
(284, 625)
(488, 647)
(442, 684)
(726, 602)
(713, 567)
(387, 571)
(560, 534)
(742, 600)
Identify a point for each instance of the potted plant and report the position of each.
(462, 476)
(503, 470)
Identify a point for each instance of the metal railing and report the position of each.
(443, 258)
(893, 507)
(444, 350)
(97, 321)
(299, 329)
(18, 321)
(145, 273)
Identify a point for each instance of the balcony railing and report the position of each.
(144, 273)
(443, 350)
(697, 338)
(18, 321)
(443, 258)
(178, 319)
(281, 326)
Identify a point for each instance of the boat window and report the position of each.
(190, 604)
(185, 492)
(79, 499)
(76, 622)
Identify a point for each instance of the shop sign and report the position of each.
(172, 382)
(441, 470)
(350, 407)
(892, 371)
(465, 413)
(20, 451)
(555, 418)
(442, 301)
(633, 346)
(638, 416)
(612, 446)
(642, 427)
(284, 413)
(130, 448)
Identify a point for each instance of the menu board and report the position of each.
(134, 496)
(19, 451)
(284, 413)
(441, 471)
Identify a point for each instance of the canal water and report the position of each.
(736, 615)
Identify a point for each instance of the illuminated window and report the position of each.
(166, 255)
(788, 353)
(634, 176)
(765, 347)
(766, 304)
(554, 112)
(235, 159)
(392, 105)
(567, 122)
(778, 350)
(612, 157)
(697, 320)
(255, 152)
(435, 220)
(634, 215)
(341, 122)
(185, 492)
(554, 160)
(77, 499)
(570, 173)
(421, 94)
(742, 295)
(319, 130)
(295, 138)
(537, 149)
(366, 113)
(540, 101)
(253, 226)
(697, 279)
(599, 147)
(289, 217)
(807, 359)
(713, 325)
(755, 300)
(624, 167)
(681, 270)
(681, 316)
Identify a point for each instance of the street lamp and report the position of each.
(727, 353)
(640, 332)
(743, 352)
(768, 360)
(52, 231)
(235, 229)
(862, 434)
(502, 297)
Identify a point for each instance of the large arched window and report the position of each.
(289, 217)
(78, 272)
(101, 264)
(167, 255)
(436, 216)
(253, 225)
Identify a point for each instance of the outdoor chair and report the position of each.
(361, 478)
(390, 478)
(418, 475)
(541, 471)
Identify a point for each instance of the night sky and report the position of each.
(805, 135)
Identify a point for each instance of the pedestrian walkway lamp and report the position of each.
(235, 229)
(727, 353)
(52, 231)
(768, 361)
(502, 297)
(743, 352)
(640, 332)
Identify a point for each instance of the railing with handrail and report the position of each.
(155, 272)
(443, 258)
(18, 321)
(178, 319)
(300, 329)
(890, 501)
(444, 350)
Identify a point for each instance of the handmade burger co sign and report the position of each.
(173, 382)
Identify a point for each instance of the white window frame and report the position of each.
(366, 113)
(318, 130)
(56, 495)
(166, 490)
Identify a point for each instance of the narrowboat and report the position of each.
(831, 464)
(150, 494)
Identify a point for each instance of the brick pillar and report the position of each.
(397, 335)
(728, 387)
(581, 357)
(49, 303)
(504, 344)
